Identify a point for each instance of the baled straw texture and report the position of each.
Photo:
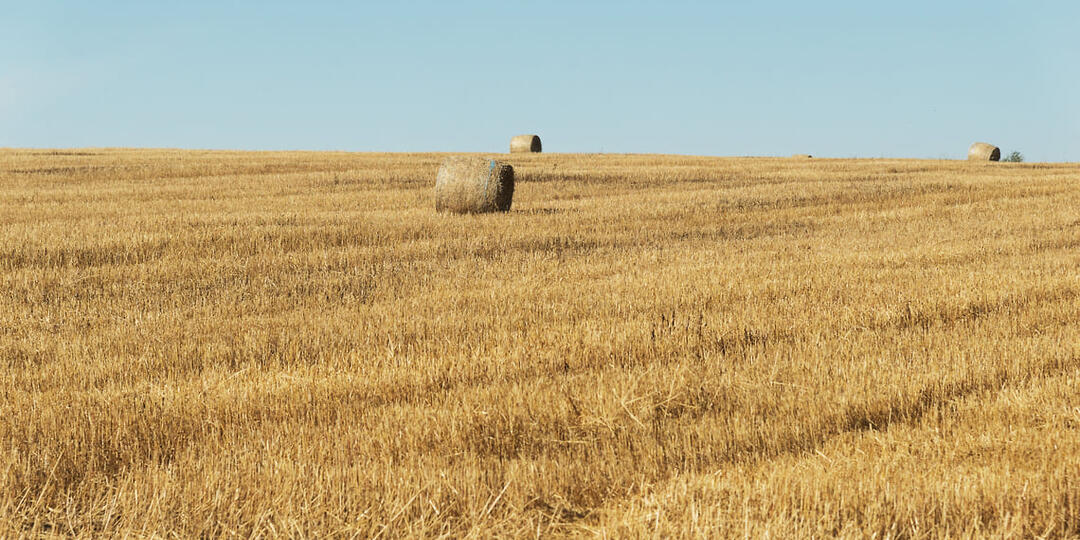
(470, 185)
(525, 144)
(981, 151)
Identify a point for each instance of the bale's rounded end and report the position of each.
(981, 151)
(525, 144)
(471, 185)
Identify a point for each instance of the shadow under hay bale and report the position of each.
(470, 185)
(525, 144)
(981, 151)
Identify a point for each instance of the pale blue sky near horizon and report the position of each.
(835, 79)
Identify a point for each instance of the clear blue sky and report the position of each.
(843, 79)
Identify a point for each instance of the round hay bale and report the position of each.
(801, 156)
(981, 151)
(472, 185)
(525, 144)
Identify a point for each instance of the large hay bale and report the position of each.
(981, 151)
(801, 156)
(468, 185)
(525, 144)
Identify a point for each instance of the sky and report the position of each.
(914, 79)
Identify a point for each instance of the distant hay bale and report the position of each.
(471, 185)
(525, 144)
(981, 151)
(801, 156)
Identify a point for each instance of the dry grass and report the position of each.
(217, 344)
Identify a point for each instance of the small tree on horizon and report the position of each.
(1014, 157)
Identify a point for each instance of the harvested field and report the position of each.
(228, 343)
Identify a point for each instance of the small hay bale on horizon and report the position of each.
(801, 156)
(522, 144)
(472, 185)
(981, 151)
